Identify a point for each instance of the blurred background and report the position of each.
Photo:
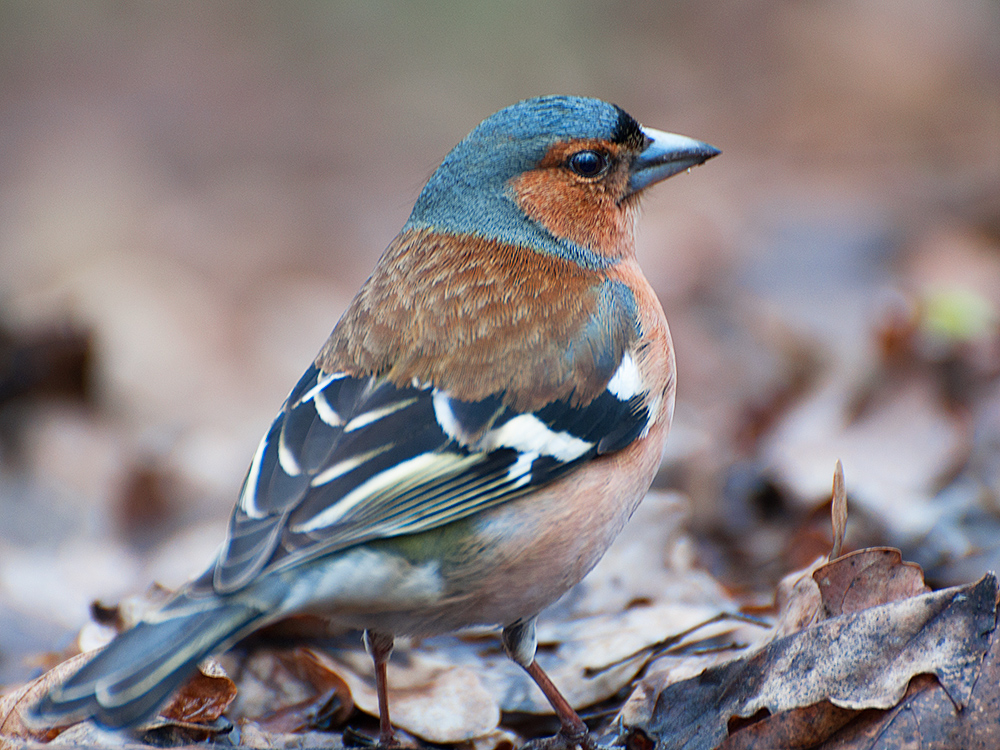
(190, 194)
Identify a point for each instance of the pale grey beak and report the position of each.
(666, 155)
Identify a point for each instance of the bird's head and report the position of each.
(559, 174)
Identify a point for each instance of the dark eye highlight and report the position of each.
(588, 163)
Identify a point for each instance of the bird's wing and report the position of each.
(396, 446)
(352, 459)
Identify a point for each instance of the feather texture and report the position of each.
(353, 459)
(481, 319)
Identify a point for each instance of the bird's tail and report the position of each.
(126, 682)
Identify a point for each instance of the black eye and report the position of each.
(588, 163)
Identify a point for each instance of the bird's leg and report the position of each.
(520, 643)
(379, 645)
(573, 732)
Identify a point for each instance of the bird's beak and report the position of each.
(666, 155)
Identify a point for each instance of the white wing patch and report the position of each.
(326, 412)
(520, 471)
(446, 417)
(526, 433)
(315, 394)
(627, 380)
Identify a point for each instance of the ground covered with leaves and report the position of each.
(192, 194)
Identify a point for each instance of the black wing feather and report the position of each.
(351, 459)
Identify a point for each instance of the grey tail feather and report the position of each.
(127, 682)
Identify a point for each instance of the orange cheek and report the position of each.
(586, 214)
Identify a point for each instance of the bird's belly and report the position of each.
(493, 568)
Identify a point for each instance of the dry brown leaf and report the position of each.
(866, 578)
(199, 702)
(855, 661)
(284, 691)
(323, 673)
(87, 735)
(435, 701)
(267, 685)
(798, 601)
(797, 729)
(838, 510)
(203, 698)
(498, 739)
(927, 719)
(670, 668)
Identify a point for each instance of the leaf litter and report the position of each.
(860, 643)
(854, 638)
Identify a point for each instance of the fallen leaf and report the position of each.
(269, 688)
(87, 735)
(498, 739)
(666, 669)
(254, 736)
(203, 698)
(799, 728)
(855, 661)
(592, 658)
(798, 601)
(866, 578)
(838, 510)
(12, 705)
(322, 673)
(435, 701)
(168, 732)
(331, 704)
(927, 718)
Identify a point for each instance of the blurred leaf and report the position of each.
(955, 314)
(12, 725)
(838, 511)
(330, 706)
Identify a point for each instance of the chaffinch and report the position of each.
(477, 429)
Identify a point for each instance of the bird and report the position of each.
(482, 421)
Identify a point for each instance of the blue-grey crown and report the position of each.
(469, 193)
